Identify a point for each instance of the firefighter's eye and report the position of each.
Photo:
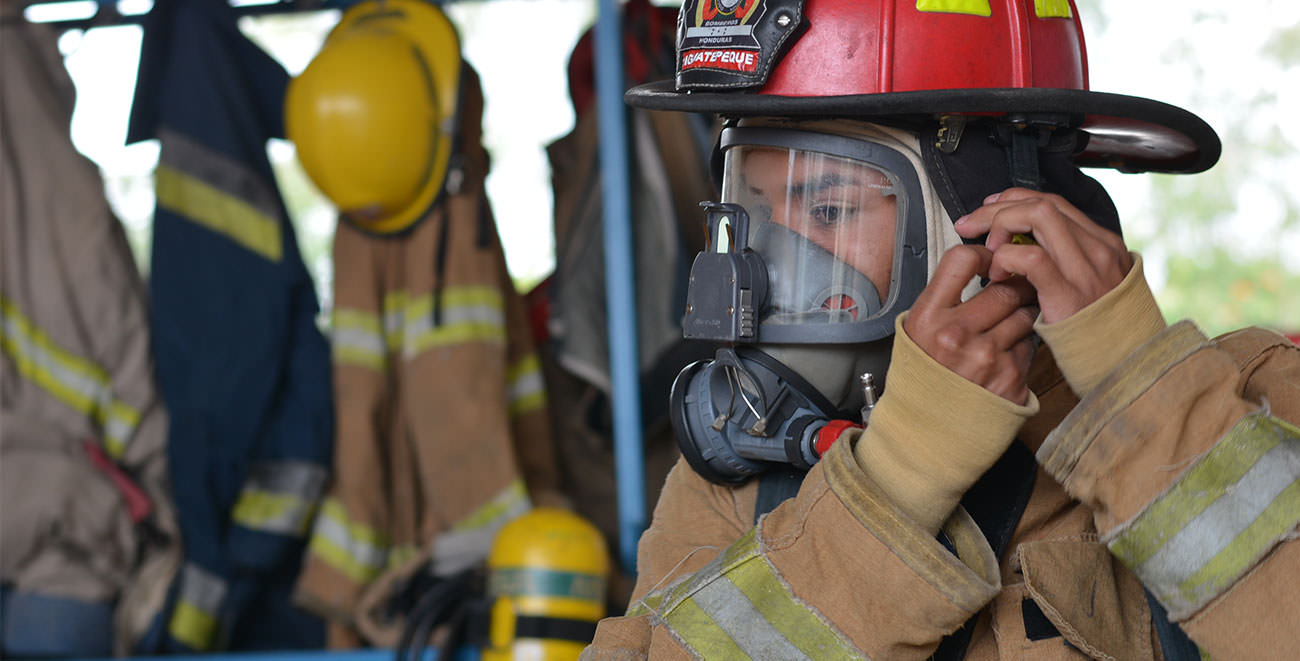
(829, 214)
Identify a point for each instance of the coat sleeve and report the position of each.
(836, 572)
(1189, 454)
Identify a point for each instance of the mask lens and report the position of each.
(825, 226)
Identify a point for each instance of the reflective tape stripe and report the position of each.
(737, 607)
(395, 304)
(533, 582)
(355, 550)
(280, 497)
(398, 556)
(525, 389)
(1052, 9)
(71, 379)
(470, 539)
(730, 610)
(229, 175)
(218, 211)
(194, 620)
(974, 7)
(219, 193)
(466, 314)
(1219, 518)
(357, 338)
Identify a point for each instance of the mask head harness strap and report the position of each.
(968, 159)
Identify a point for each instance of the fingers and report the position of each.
(978, 339)
(981, 221)
(996, 302)
(1072, 262)
(1059, 228)
(956, 269)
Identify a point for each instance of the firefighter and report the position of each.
(948, 418)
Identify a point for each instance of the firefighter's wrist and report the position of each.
(933, 434)
(1094, 341)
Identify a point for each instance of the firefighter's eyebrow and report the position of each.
(828, 180)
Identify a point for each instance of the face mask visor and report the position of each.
(838, 226)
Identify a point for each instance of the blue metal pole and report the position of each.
(620, 278)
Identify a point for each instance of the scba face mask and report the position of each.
(817, 246)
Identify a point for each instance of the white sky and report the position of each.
(520, 48)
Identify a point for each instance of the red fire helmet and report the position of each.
(904, 59)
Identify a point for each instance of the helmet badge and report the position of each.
(732, 44)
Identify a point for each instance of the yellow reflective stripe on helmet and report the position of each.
(280, 497)
(356, 338)
(470, 539)
(71, 379)
(355, 550)
(194, 619)
(737, 607)
(1219, 518)
(973, 7)
(1052, 8)
(525, 389)
(218, 211)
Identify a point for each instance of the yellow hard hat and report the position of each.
(546, 576)
(373, 115)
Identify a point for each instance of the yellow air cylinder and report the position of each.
(546, 578)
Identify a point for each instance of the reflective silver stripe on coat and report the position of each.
(219, 171)
(280, 496)
(1219, 519)
(525, 388)
(470, 539)
(220, 194)
(69, 378)
(738, 607)
(353, 549)
(195, 619)
(357, 338)
(467, 314)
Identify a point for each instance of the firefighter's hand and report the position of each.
(985, 340)
(1071, 262)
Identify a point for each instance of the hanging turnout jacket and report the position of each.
(242, 366)
(443, 431)
(88, 527)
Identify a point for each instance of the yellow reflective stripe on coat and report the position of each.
(357, 338)
(737, 607)
(466, 314)
(71, 379)
(218, 211)
(525, 389)
(353, 549)
(1216, 522)
(280, 497)
(194, 620)
(973, 7)
(1052, 9)
(219, 193)
(470, 539)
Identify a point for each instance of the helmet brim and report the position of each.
(1128, 133)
